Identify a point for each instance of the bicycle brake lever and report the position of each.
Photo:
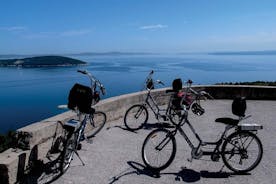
(160, 82)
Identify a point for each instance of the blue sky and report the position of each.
(73, 26)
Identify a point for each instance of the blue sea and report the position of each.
(28, 95)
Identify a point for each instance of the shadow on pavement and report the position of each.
(146, 126)
(185, 174)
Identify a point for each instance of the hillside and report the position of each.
(41, 61)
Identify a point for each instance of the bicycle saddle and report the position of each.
(228, 121)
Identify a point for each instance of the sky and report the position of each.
(159, 26)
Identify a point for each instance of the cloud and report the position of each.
(14, 28)
(69, 33)
(75, 32)
(153, 27)
(40, 35)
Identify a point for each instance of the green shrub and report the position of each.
(6, 140)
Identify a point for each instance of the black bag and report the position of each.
(150, 84)
(239, 106)
(80, 96)
(177, 84)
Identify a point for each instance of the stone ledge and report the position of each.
(13, 164)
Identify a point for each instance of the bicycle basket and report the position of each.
(80, 96)
(239, 106)
(197, 109)
(177, 84)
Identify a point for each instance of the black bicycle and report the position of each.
(241, 151)
(137, 115)
(87, 125)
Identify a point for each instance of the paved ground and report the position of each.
(114, 156)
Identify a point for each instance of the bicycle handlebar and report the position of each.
(93, 79)
(83, 72)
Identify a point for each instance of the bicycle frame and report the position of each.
(155, 108)
(197, 152)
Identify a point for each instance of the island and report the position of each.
(264, 52)
(41, 61)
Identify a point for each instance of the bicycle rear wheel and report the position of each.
(68, 151)
(242, 151)
(159, 149)
(135, 117)
(95, 123)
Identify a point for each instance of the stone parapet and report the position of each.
(13, 163)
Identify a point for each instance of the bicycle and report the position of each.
(80, 100)
(188, 97)
(137, 115)
(241, 150)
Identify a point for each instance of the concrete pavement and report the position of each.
(114, 155)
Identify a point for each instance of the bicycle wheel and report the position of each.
(95, 123)
(175, 115)
(159, 149)
(68, 151)
(135, 117)
(242, 151)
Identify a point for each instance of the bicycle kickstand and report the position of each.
(79, 157)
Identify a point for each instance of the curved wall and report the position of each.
(41, 133)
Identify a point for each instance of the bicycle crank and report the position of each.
(196, 153)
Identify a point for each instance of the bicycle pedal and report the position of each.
(79, 146)
(190, 159)
(165, 118)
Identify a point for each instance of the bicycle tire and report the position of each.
(96, 122)
(167, 142)
(134, 123)
(68, 151)
(234, 139)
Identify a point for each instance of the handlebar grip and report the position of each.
(82, 71)
(189, 81)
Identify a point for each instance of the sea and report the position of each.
(28, 95)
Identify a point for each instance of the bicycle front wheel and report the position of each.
(68, 151)
(175, 115)
(96, 122)
(135, 117)
(159, 149)
(242, 151)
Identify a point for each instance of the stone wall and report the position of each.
(14, 162)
